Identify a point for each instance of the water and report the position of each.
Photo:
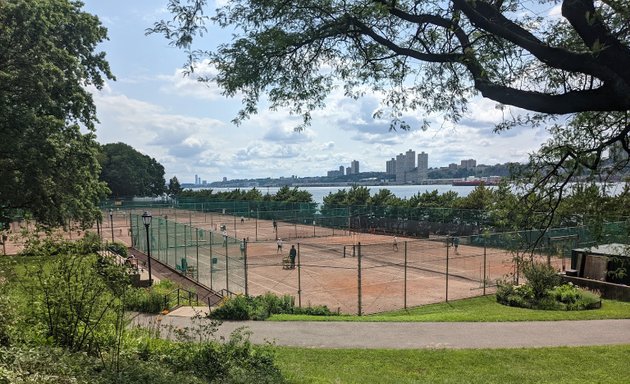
(401, 191)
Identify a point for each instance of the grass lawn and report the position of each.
(477, 309)
(541, 365)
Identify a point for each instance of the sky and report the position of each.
(186, 125)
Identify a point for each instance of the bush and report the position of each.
(562, 297)
(541, 278)
(574, 298)
(150, 300)
(118, 248)
(261, 307)
(234, 308)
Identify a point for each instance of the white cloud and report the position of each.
(196, 83)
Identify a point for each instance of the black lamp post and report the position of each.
(111, 222)
(146, 219)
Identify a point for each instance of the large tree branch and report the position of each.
(607, 49)
(427, 57)
(489, 18)
(600, 99)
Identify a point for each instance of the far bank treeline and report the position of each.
(498, 206)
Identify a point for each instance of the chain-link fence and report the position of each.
(356, 273)
(213, 259)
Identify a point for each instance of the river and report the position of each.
(401, 191)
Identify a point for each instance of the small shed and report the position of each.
(606, 262)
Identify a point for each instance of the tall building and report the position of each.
(341, 169)
(423, 166)
(469, 163)
(348, 171)
(196, 179)
(400, 168)
(405, 165)
(390, 167)
(354, 165)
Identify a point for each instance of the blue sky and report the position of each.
(186, 125)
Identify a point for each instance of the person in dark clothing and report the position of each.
(292, 254)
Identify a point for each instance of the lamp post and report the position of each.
(146, 219)
(111, 222)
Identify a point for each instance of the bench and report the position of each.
(185, 269)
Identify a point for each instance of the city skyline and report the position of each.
(186, 125)
(413, 173)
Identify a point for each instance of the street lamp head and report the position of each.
(146, 218)
(111, 212)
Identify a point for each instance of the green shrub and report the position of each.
(261, 307)
(562, 297)
(318, 310)
(574, 298)
(234, 308)
(153, 299)
(144, 300)
(6, 318)
(118, 248)
(541, 278)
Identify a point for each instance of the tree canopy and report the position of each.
(174, 188)
(569, 71)
(129, 173)
(48, 167)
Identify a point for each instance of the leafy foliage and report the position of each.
(544, 290)
(571, 72)
(174, 187)
(129, 173)
(48, 165)
(74, 300)
(241, 307)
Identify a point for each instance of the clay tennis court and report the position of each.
(327, 270)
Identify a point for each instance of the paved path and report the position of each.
(425, 335)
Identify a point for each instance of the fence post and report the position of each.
(485, 271)
(245, 265)
(227, 268)
(130, 229)
(447, 247)
(211, 234)
(175, 239)
(299, 278)
(168, 250)
(185, 244)
(257, 224)
(359, 279)
(159, 231)
(405, 289)
(197, 246)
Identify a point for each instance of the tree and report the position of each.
(293, 195)
(48, 167)
(174, 187)
(571, 72)
(128, 172)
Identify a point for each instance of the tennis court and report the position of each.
(346, 271)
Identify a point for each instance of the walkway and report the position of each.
(399, 335)
(420, 335)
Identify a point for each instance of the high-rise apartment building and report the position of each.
(469, 163)
(354, 166)
(390, 167)
(423, 166)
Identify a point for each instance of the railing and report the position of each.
(183, 296)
